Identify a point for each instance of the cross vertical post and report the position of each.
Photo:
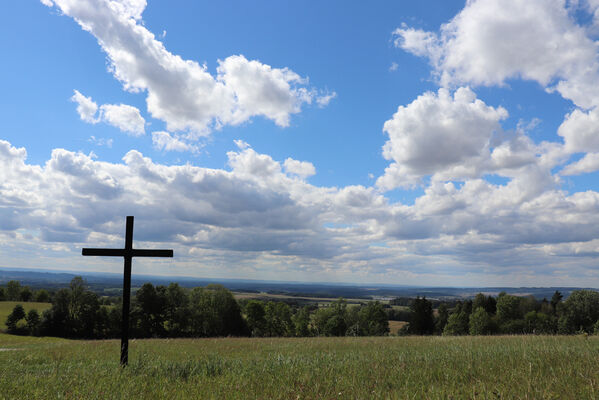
(127, 253)
(126, 292)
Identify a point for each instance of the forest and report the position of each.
(212, 311)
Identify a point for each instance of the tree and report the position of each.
(2, 294)
(457, 324)
(580, 311)
(556, 299)
(480, 322)
(56, 321)
(215, 312)
(33, 322)
(373, 320)
(73, 313)
(540, 323)
(177, 310)
(332, 320)
(26, 294)
(421, 321)
(42, 296)
(278, 319)
(149, 311)
(480, 300)
(301, 322)
(17, 314)
(528, 304)
(337, 323)
(442, 317)
(13, 291)
(254, 313)
(508, 308)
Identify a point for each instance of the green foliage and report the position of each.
(255, 317)
(2, 294)
(540, 323)
(442, 317)
(487, 302)
(278, 319)
(75, 312)
(26, 294)
(6, 308)
(556, 300)
(33, 322)
(481, 322)
(513, 327)
(301, 322)
(372, 320)
(42, 296)
(579, 312)
(13, 291)
(331, 320)
(177, 310)
(421, 321)
(149, 311)
(508, 308)
(214, 312)
(12, 322)
(457, 324)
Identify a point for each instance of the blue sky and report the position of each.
(428, 143)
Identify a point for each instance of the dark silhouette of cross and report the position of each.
(128, 253)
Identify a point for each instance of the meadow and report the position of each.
(543, 367)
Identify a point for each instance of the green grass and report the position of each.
(6, 308)
(541, 367)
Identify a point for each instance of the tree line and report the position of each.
(507, 314)
(15, 292)
(211, 311)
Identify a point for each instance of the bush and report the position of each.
(514, 327)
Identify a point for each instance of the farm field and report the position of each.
(288, 297)
(6, 308)
(311, 368)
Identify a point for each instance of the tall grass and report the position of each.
(543, 367)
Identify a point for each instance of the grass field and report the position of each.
(541, 367)
(394, 326)
(6, 308)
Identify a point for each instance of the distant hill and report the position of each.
(101, 282)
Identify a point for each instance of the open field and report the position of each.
(394, 326)
(313, 368)
(6, 308)
(287, 297)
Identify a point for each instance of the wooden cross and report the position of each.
(128, 253)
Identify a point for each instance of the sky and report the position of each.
(429, 143)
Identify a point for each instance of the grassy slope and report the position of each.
(6, 308)
(315, 368)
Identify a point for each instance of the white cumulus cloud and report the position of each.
(492, 41)
(439, 133)
(125, 117)
(182, 92)
(122, 116)
(303, 169)
(86, 107)
(165, 141)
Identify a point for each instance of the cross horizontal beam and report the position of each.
(127, 252)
